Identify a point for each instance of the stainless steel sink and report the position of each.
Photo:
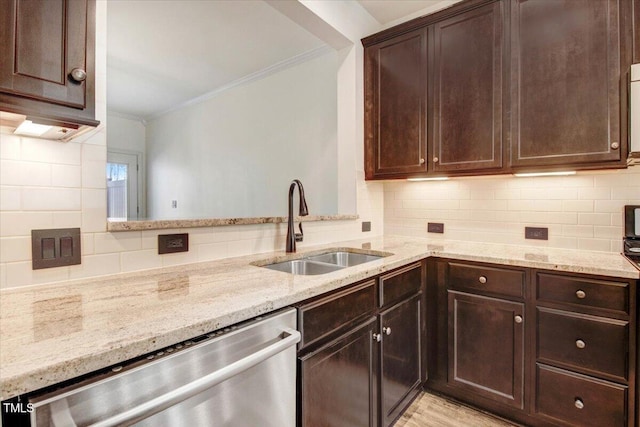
(344, 259)
(322, 263)
(303, 267)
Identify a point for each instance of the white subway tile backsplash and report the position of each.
(609, 206)
(577, 205)
(9, 147)
(626, 193)
(600, 193)
(140, 260)
(21, 223)
(66, 176)
(607, 232)
(94, 210)
(35, 174)
(51, 199)
(3, 275)
(96, 265)
(577, 230)
(10, 172)
(67, 219)
(53, 152)
(582, 211)
(117, 242)
(21, 274)
(210, 251)
(594, 219)
(600, 245)
(14, 249)
(10, 198)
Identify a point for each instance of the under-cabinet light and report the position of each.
(435, 178)
(565, 173)
(29, 128)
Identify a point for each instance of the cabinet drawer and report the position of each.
(595, 344)
(579, 400)
(320, 318)
(400, 283)
(584, 292)
(483, 279)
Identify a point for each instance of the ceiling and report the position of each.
(162, 54)
(385, 11)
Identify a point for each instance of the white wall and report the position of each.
(584, 211)
(235, 155)
(125, 133)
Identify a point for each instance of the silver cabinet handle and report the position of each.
(376, 337)
(482, 279)
(435, 160)
(518, 319)
(581, 294)
(386, 330)
(78, 75)
(579, 403)
(422, 161)
(580, 344)
(180, 394)
(615, 145)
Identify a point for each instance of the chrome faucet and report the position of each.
(292, 236)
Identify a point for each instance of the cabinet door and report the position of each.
(467, 101)
(43, 41)
(566, 82)
(338, 382)
(400, 357)
(395, 106)
(486, 347)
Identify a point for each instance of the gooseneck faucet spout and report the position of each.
(292, 236)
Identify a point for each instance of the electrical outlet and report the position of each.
(366, 226)
(171, 243)
(536, 233)
(435, 227)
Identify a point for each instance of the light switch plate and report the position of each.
(56, 247)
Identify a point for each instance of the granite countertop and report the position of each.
(56, 332)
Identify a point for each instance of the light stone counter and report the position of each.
(57, 332)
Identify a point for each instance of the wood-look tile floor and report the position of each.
(429, 410)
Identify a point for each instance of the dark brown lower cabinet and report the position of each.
(361, 358)
(338, 382)
(486, 347)
(543, 348)
(400, 357)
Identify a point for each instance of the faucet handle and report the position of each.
(300, 235)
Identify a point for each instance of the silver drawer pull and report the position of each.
(580, 344)
(78, 75)
(376, 337)
(386, 330)
(581, 294)
(579, 403)
(518, 319)
(482, 279)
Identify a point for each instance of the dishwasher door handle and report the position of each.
(160, 403)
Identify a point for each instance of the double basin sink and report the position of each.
(323, 263)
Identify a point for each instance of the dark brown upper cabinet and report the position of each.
(48, 60)
(468, 91)
(567, 89)
(395, 106)
(511, 86)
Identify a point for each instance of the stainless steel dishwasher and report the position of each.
(245, 376)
